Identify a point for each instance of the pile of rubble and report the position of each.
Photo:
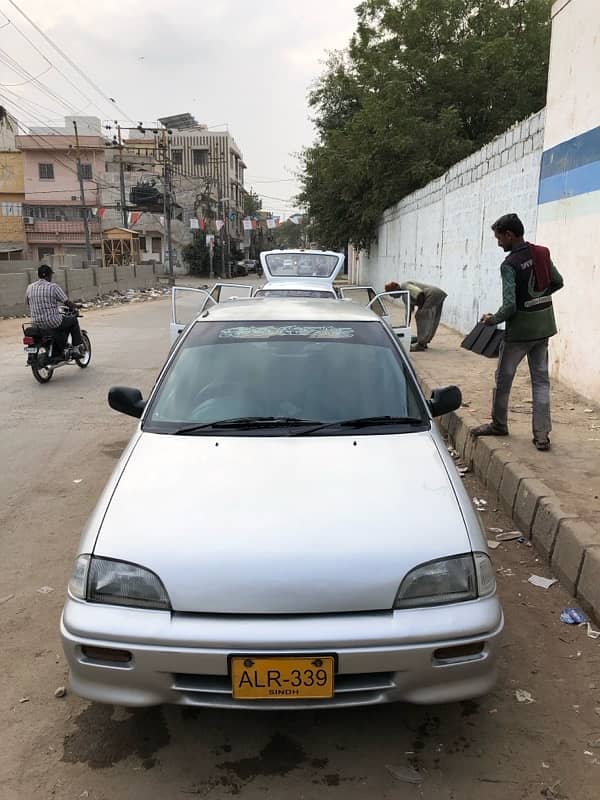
(130, 296)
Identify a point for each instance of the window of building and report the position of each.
(44, 251)
(200, 158)
(177, 157)
(46, 172)
(142, 241)
(86, 171)
(156, 244)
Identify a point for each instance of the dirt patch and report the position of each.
(100, 741)
(279, 756)
(114, 449)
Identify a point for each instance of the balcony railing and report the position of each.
(62, 231)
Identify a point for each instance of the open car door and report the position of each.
(396, 315)
(187, 302)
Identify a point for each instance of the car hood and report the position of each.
(283, 525)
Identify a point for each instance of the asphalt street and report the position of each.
(58, 445)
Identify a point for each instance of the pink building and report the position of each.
(53, 209)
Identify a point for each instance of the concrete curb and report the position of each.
(569, 545)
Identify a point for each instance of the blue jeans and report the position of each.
(511, 355)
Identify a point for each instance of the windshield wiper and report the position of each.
(362, 422)
(245, 423)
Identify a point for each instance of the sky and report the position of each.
(228, 62)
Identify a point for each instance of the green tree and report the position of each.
(422, 84)
(197, 255)
(252, 203)
(288, 235)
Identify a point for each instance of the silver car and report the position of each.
(285, 529)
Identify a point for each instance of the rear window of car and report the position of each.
(320, 371)
(317, 293)
(301, 265)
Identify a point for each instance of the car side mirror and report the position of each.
(126, 400)
(445, 400)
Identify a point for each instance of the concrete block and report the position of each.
(527, 146)
(442, 423)
(519, 150)
(529, 494)
(467, 455)
(511, 479)
(461, 436)
(498, 462)
(548, 517)
(573, 539)
(588, 587)
(12, 293)
(453, 426)
(482, 453)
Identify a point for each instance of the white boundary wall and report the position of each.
(441, 234)
(569, 217)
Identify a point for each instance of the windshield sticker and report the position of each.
(273, 331)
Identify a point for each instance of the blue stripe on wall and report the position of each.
(582, 180)
(577, 152)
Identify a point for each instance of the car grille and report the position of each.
(216, 690)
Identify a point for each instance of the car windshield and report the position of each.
(313, 372)
(319, 293)
(301, 265)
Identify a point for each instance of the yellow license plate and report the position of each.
(283, 678)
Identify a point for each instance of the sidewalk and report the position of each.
(554, 497)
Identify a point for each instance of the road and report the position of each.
(59, 443)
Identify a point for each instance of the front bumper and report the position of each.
(381, 657)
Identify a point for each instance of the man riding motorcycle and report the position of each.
(44, 299)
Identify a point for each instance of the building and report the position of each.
(53, 209)
(12, 231)
(208, 174)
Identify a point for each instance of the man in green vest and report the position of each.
(528, 279)
(428, 301)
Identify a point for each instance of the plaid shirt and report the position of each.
(43, 298)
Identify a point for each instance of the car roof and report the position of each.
(288, 308)
(298, 283)
(294, 251)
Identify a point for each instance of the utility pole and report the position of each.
(167, 199)
(122, 180)
(86, 226)
(221, 207)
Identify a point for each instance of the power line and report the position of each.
(51, 64)
(10, 62)
(71, 63)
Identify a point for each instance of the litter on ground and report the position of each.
(508, 536)
(523, 696)
(405, 774)
(573, 616)
(543, 583)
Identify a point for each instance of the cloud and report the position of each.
(225, 61)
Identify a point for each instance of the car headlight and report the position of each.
(449, 580)
(104, 580)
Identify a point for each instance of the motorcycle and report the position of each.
(42, 355)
